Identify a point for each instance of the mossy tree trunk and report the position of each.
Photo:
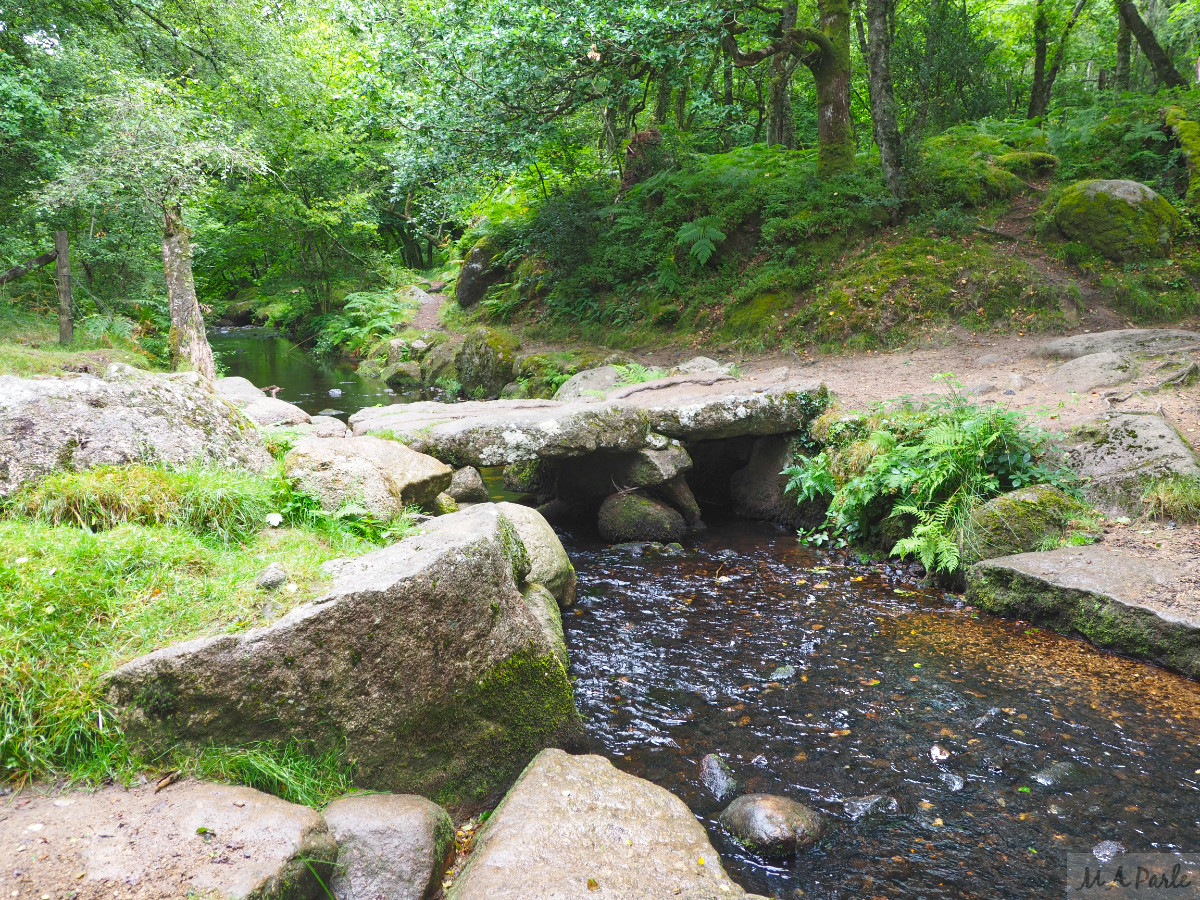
(62, 277)
(1163, 67)
(826, 52)
(1124, 46)
(886, 124)
(189, 343)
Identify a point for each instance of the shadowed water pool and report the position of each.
(266, 357)
(1053, 746)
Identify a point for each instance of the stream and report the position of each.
(266, 357)
(826, 680)
(1053, 746)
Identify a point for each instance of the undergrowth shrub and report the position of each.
(909, 478)
(366, 319)
(1174, 498)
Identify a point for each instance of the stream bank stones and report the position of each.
(425, 664)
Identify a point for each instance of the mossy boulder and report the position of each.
(630, 517)
(1027, 163)
(480, 270)
(424, 666)
(1027, 519)
(486, 361)
(1122, 220)
(772, 826)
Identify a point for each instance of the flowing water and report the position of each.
(1053, 746)
(266, 358)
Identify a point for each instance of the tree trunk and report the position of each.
(62, 275)
(1042, 99)
(662, 102)
(831, 71)
(1163, 67)
(188, 342)
(26, 267)
(781, 121)
(1121, 74)
(883, 96)
(1041, 38)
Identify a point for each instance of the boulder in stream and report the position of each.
(718, 778)
(549, 564)
(424, 664)
(467, 486)
(1145, 607)
(772, 826)
(576, 827)
(629, 517)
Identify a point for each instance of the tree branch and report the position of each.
(26, 267)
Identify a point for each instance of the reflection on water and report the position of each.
(267, 358)
(1053, 746)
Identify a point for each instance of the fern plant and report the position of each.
(922, 474)
(702, 235)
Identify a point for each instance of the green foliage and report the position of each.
(289, 772)
(635, 373)
(912, 477)
(701, 237)
(1173, 498)
(364, 321)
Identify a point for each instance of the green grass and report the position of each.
(29, 346)
(92, 575)
(1174, 498)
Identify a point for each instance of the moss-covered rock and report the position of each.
(480, 271)
(542, 374)
(1187, 132)
(1027, 163)
(1122, 220)
(629, 517)
(486, 361)
(424, 667)
(1030, 518)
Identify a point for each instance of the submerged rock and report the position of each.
(382, 476)
(424, 664)
(174, 843)
(575, 826)
(1142, 607)
(718, 777)
(772, 826)
(953, 782)
(634, 517)
(875, 806)
(389, 846)
(80, 421)
(1122, 220)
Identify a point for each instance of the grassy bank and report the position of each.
(102, 566)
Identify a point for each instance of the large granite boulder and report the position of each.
(260, 409)
(499, 432)
(1142, 606)
(381, 476)
(549, 564)
(631, 517)
(771, 826)
(237, 390)
(79, 421)
(189, 840)
(485, 361)
(576, 827)
(467, 486)
(1021, 521)
(759, 491)
(1122, 220)
(424, 665)
(1116, 454)
(480, 270)
(390, 846)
